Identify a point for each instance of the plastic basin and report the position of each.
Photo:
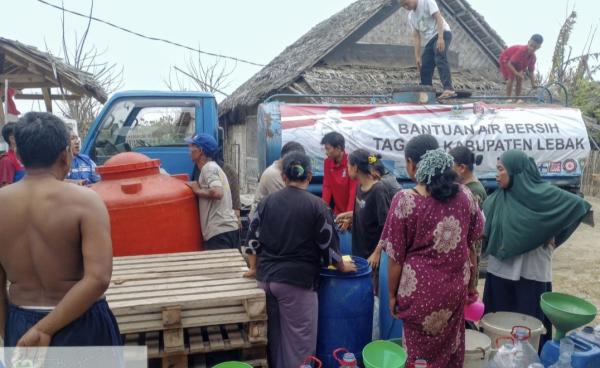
(384, 354)
(232, 365)
(566, 312)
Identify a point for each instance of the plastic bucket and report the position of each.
(233, 365)
(478, 347)
(384, 354)
(500, 324)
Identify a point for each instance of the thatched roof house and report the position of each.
(365, 49)
(26, 67)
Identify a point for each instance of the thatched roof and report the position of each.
(27, 67)
(306, 52)
(362, 80)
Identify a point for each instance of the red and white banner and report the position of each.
(556, 137)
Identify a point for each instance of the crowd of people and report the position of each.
(56, 254)
(433, 234)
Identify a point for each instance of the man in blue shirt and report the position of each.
(83, 169)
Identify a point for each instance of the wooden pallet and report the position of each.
(187, 304)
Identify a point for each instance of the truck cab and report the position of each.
(153, 123)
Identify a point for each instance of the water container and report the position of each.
(478, 347)
(390, 328)
(345, 311)
(589, 334)
(500, 324)
(347, 360)
(586, 354)
(521, 334)
(150, 213)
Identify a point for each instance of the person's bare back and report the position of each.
(55, 248)
(40, 238)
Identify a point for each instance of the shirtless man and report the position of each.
(55, 248)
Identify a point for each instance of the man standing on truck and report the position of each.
(338, 188)
(518, 59)
(55, 248)
(220, 228)
(427, 23)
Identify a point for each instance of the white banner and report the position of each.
(555, 137)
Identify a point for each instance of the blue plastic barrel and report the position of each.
(345, 312)
(345, 242)
(389, 327)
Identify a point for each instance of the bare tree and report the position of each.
(87, 58)
(196, 74)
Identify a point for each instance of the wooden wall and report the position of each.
(590, 183)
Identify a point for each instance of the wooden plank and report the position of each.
(216, 338)
(147, 258)
(227, 308)
(34, 97)
(171, 317)
(257, 331)
(235, 338)
(198, 291)
(21, 77)
(132, 339)
(146, 326)
(173, 340)
(178, 268)
(152, 344)
(190, 301)
(197, 343)
(175, 361)
(171, 282)
(47, 99)
(209, 273)
(198, 262)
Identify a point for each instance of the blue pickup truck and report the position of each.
(154, 124)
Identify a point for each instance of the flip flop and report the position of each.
(447, 94)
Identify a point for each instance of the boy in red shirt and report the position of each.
(337, 185)
(515, 60)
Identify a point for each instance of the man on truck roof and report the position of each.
(220, 228)
(55, 248)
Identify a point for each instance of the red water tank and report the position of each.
(150, 213)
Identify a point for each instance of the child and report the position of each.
(515, 60)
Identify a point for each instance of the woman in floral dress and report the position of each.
(427, 234)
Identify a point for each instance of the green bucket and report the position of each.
(384, 354)
(233, 365)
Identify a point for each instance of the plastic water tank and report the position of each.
(150, 213)
(390, 328)
(345, 312)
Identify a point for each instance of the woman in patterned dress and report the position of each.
(427, 234)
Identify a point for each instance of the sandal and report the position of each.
(447, 94)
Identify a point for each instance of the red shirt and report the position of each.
(519, 58)
(338, 186)
(9, 167)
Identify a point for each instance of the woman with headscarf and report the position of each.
(427, 235)
(526, 218)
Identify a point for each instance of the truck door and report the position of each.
(154, 127)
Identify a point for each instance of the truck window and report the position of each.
(135, 125)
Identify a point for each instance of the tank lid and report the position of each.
(128, 162)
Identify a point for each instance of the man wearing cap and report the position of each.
(219, 223)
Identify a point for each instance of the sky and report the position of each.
(255, 30)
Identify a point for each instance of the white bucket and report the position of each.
(500, 324)
(478, 347)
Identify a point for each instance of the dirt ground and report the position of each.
(576, 264)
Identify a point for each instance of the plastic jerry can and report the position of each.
(585, 355)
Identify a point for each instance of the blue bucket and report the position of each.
(390, 328)
(345, 311)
